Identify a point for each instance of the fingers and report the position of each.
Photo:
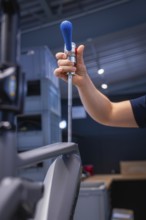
(61, 55)
(65, 62)
(60, 73)
(64, 69)
(65, 65)
(62, 60)
(80, 52)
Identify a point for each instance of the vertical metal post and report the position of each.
(8, 154)
(69, 107)
(10, 37)
(72, 57)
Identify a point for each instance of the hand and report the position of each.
(65, 66)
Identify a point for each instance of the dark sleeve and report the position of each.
(139, 110)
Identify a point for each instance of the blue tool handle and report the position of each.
(66, 29)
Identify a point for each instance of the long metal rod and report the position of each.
(72, 57)
(69, 107)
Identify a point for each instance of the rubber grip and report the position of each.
(66, 29)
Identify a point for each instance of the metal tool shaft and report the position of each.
(71, 57)
(69, 107)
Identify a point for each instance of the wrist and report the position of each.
(83, 81)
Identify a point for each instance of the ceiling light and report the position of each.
(62, 124)
(100, 71)
(31, 52)
(104, 86)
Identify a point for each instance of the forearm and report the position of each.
(102, 110)
(96, 104)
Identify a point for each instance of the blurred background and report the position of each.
(114, 35)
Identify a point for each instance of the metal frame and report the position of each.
(53, 199)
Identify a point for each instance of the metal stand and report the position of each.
(59, 190)
(19, 198)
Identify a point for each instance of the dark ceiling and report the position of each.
(36, 13)
(113, 31)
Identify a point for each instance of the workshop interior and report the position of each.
(56, 162)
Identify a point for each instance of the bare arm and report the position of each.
(102, 110)
(98, 106)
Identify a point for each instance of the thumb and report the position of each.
(80, 52)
